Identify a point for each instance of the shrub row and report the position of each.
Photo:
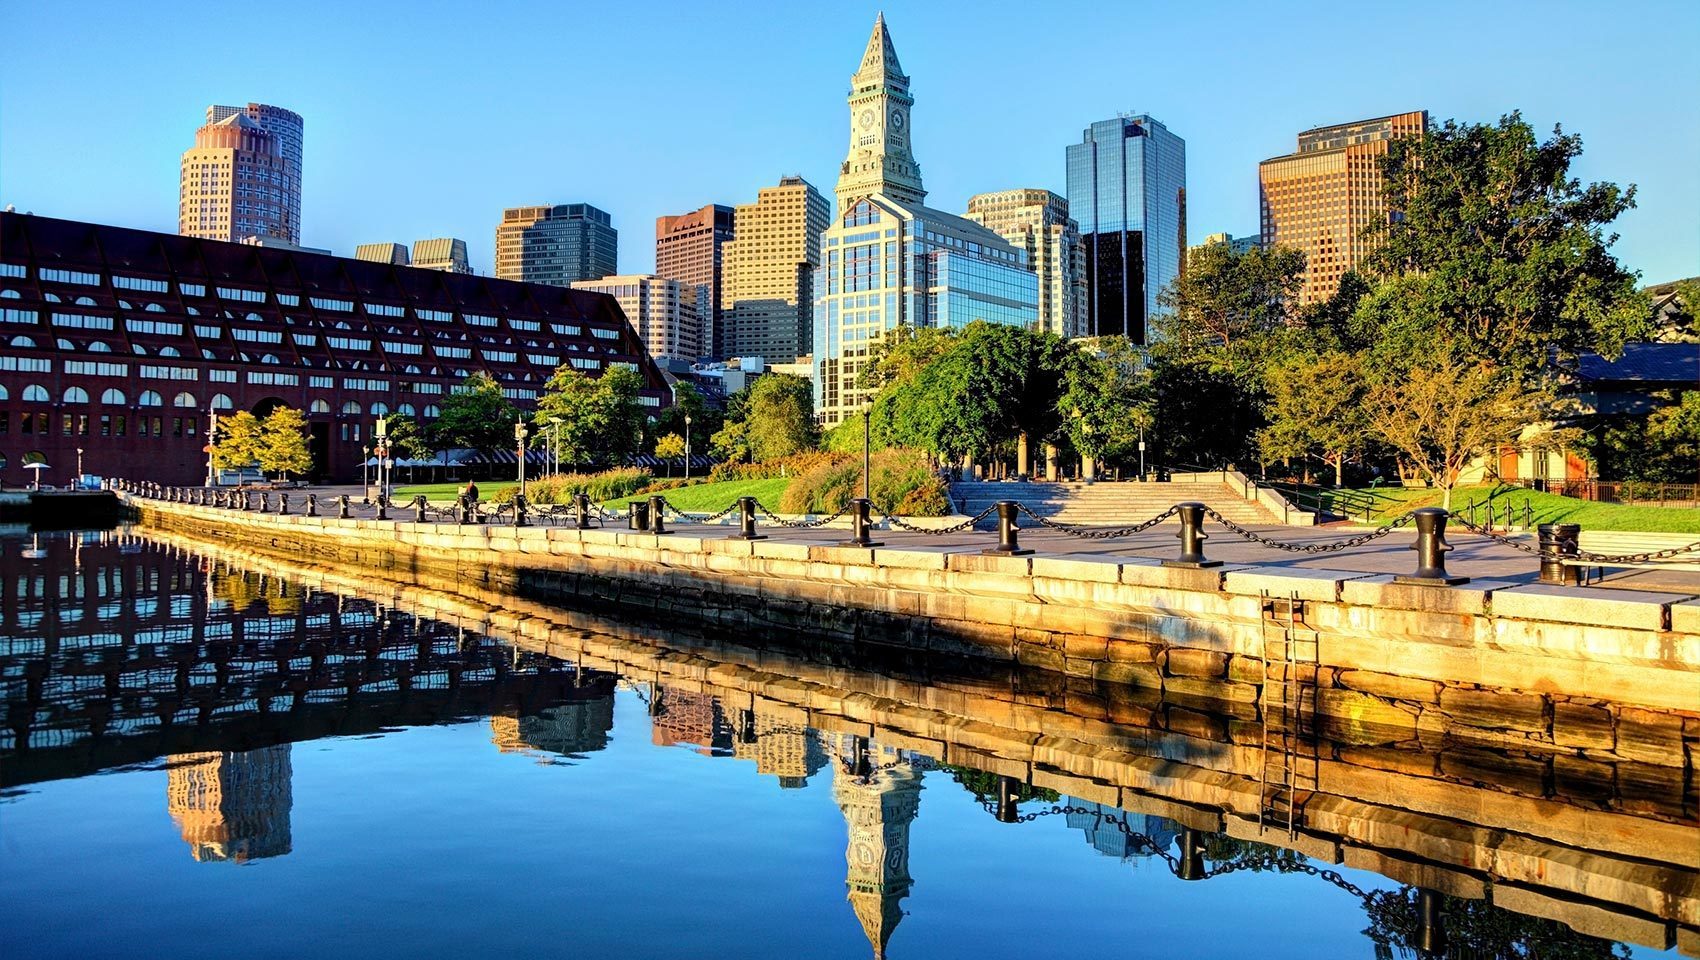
(562, 487)
(794, 465)
(903, 482)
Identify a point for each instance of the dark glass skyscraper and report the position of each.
(1127, 190)
(558, 245)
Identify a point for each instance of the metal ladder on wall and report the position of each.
(1288, 761)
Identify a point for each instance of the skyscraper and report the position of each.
(878, 810)
(287, 128)
(1320, 198)
(767, 284)
(238, 180)
(1127, 190)
(889, 260)
(663, 311)
(1037, 223)
(232, 806)
(690, 248)
(556, 245)
(441, 253)
(395, 253)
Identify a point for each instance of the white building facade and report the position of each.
(663, 311)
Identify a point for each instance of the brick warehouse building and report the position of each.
(121, 342)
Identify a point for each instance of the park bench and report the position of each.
(1624, 543)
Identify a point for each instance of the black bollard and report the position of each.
(1008, 794)
(581, 501)
(465, 508)
(283, 503)
(519, 510)
(657, 515)
(1008, 540)
(1558, 542)
(1431, 926)
(312, 504)
(1191, 865)
(1192, 537)
(861, 525)
(383, 507)
(265, 501)
(419, 509)
(1431, 550)
(637, 515)
(747, 521)
(342, 507)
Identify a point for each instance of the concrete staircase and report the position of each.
(1108, 503)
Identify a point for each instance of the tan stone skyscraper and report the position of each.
(767, 282)
(1037, 221)
(232, 806)
(690, 248)
(1319, 199)
(663, 311)
(240, 179)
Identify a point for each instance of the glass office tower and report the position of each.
(1127, 190)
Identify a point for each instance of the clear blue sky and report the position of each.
(427, 118)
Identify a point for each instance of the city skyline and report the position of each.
(974, 139)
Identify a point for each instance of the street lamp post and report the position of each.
(687, 446)
(1142, 452)
(79, 481)
(555, 441)
(365, 471)
(867, 452)
(212, 444)
(520, 433)
(380, 434)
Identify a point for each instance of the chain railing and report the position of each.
(1606, 559)
(899, 523)
(799, 524)
(1333, 546)
(1081, 532)
(698, 517)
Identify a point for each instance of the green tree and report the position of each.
(407, 441)
(670, 447)
(601, 418)
(688, 401)
(1224, 309)
(240, 439)
(1499, 255)
(1441, 414)
(1107, 400)
(779, 417)
(903, 352)
(283, 443)
(476, 416)
(1316, 409)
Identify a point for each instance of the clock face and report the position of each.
(867, 119)
(897, 119)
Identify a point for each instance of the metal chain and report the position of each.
(800, 524)
(1337, 545)
(899, 524)
(1093, 533)
(698, 517)
(1605, 558)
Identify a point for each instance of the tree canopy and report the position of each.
(476, 416)
(602, 420)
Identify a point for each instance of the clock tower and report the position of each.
(879, 160)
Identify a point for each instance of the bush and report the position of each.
(562, 487)
(904, 482)
(795, 465)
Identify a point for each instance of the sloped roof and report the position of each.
(1675, 363)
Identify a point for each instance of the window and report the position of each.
(458, 353)
(351, 408)
(347, 343)
(12, 270)
(432, 410)
(80, 320)
(193, 289)
(500, 356)
(321, 383)
(479, 320)
(257, 336)
(406, 410)
(112, 395)
(153, 372)
(221, 401)
(380, 409)
(137, 283)
(305, 339)
(70, 276)
(439, 316)
(150, 398)
(221, 376)
(90, 368)
(327, 303)
(207, 333)
(26, 364)
(18, 316)
(266, 378)
(531, 325)
(392, 346)
(35, 393)
(289, 299)
(155, 326)
(385, 310)
(184, 400)
(22, 341)
(76, 395)
(237, 293)
(602, 334)
(319, 406)
(98, 346)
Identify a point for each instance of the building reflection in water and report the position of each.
(779, 747)
(581, 725)
(232, 806)
(879, 792)
(690, 719)
(1112, 832)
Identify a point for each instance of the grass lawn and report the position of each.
(698, 498)
(715, 497)
(1546, 507)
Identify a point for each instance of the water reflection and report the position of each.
(116, 652)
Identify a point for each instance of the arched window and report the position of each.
(139, 350)
(35, 393)
(406, 410)
(85, 301)
(76, 395)
(319, 406)
(99, 346)
(432, 411)
(269, 358)
(351, 408)
(22, 341)
(10, 295)
(221, 401)
(112, 395)
(169, 352)
(150, 398)
(4, 394)
(65, 344)
(185, 400)
(156, 308)
(380, 409)
(34, 456)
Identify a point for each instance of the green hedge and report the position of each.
(562, 487)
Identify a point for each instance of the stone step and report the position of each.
(1108, 503)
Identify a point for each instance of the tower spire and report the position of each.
(880, 56)
(879, 160)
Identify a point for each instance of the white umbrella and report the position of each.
(37, 467)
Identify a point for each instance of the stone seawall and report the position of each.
(1604, 846)
(1572, 671)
